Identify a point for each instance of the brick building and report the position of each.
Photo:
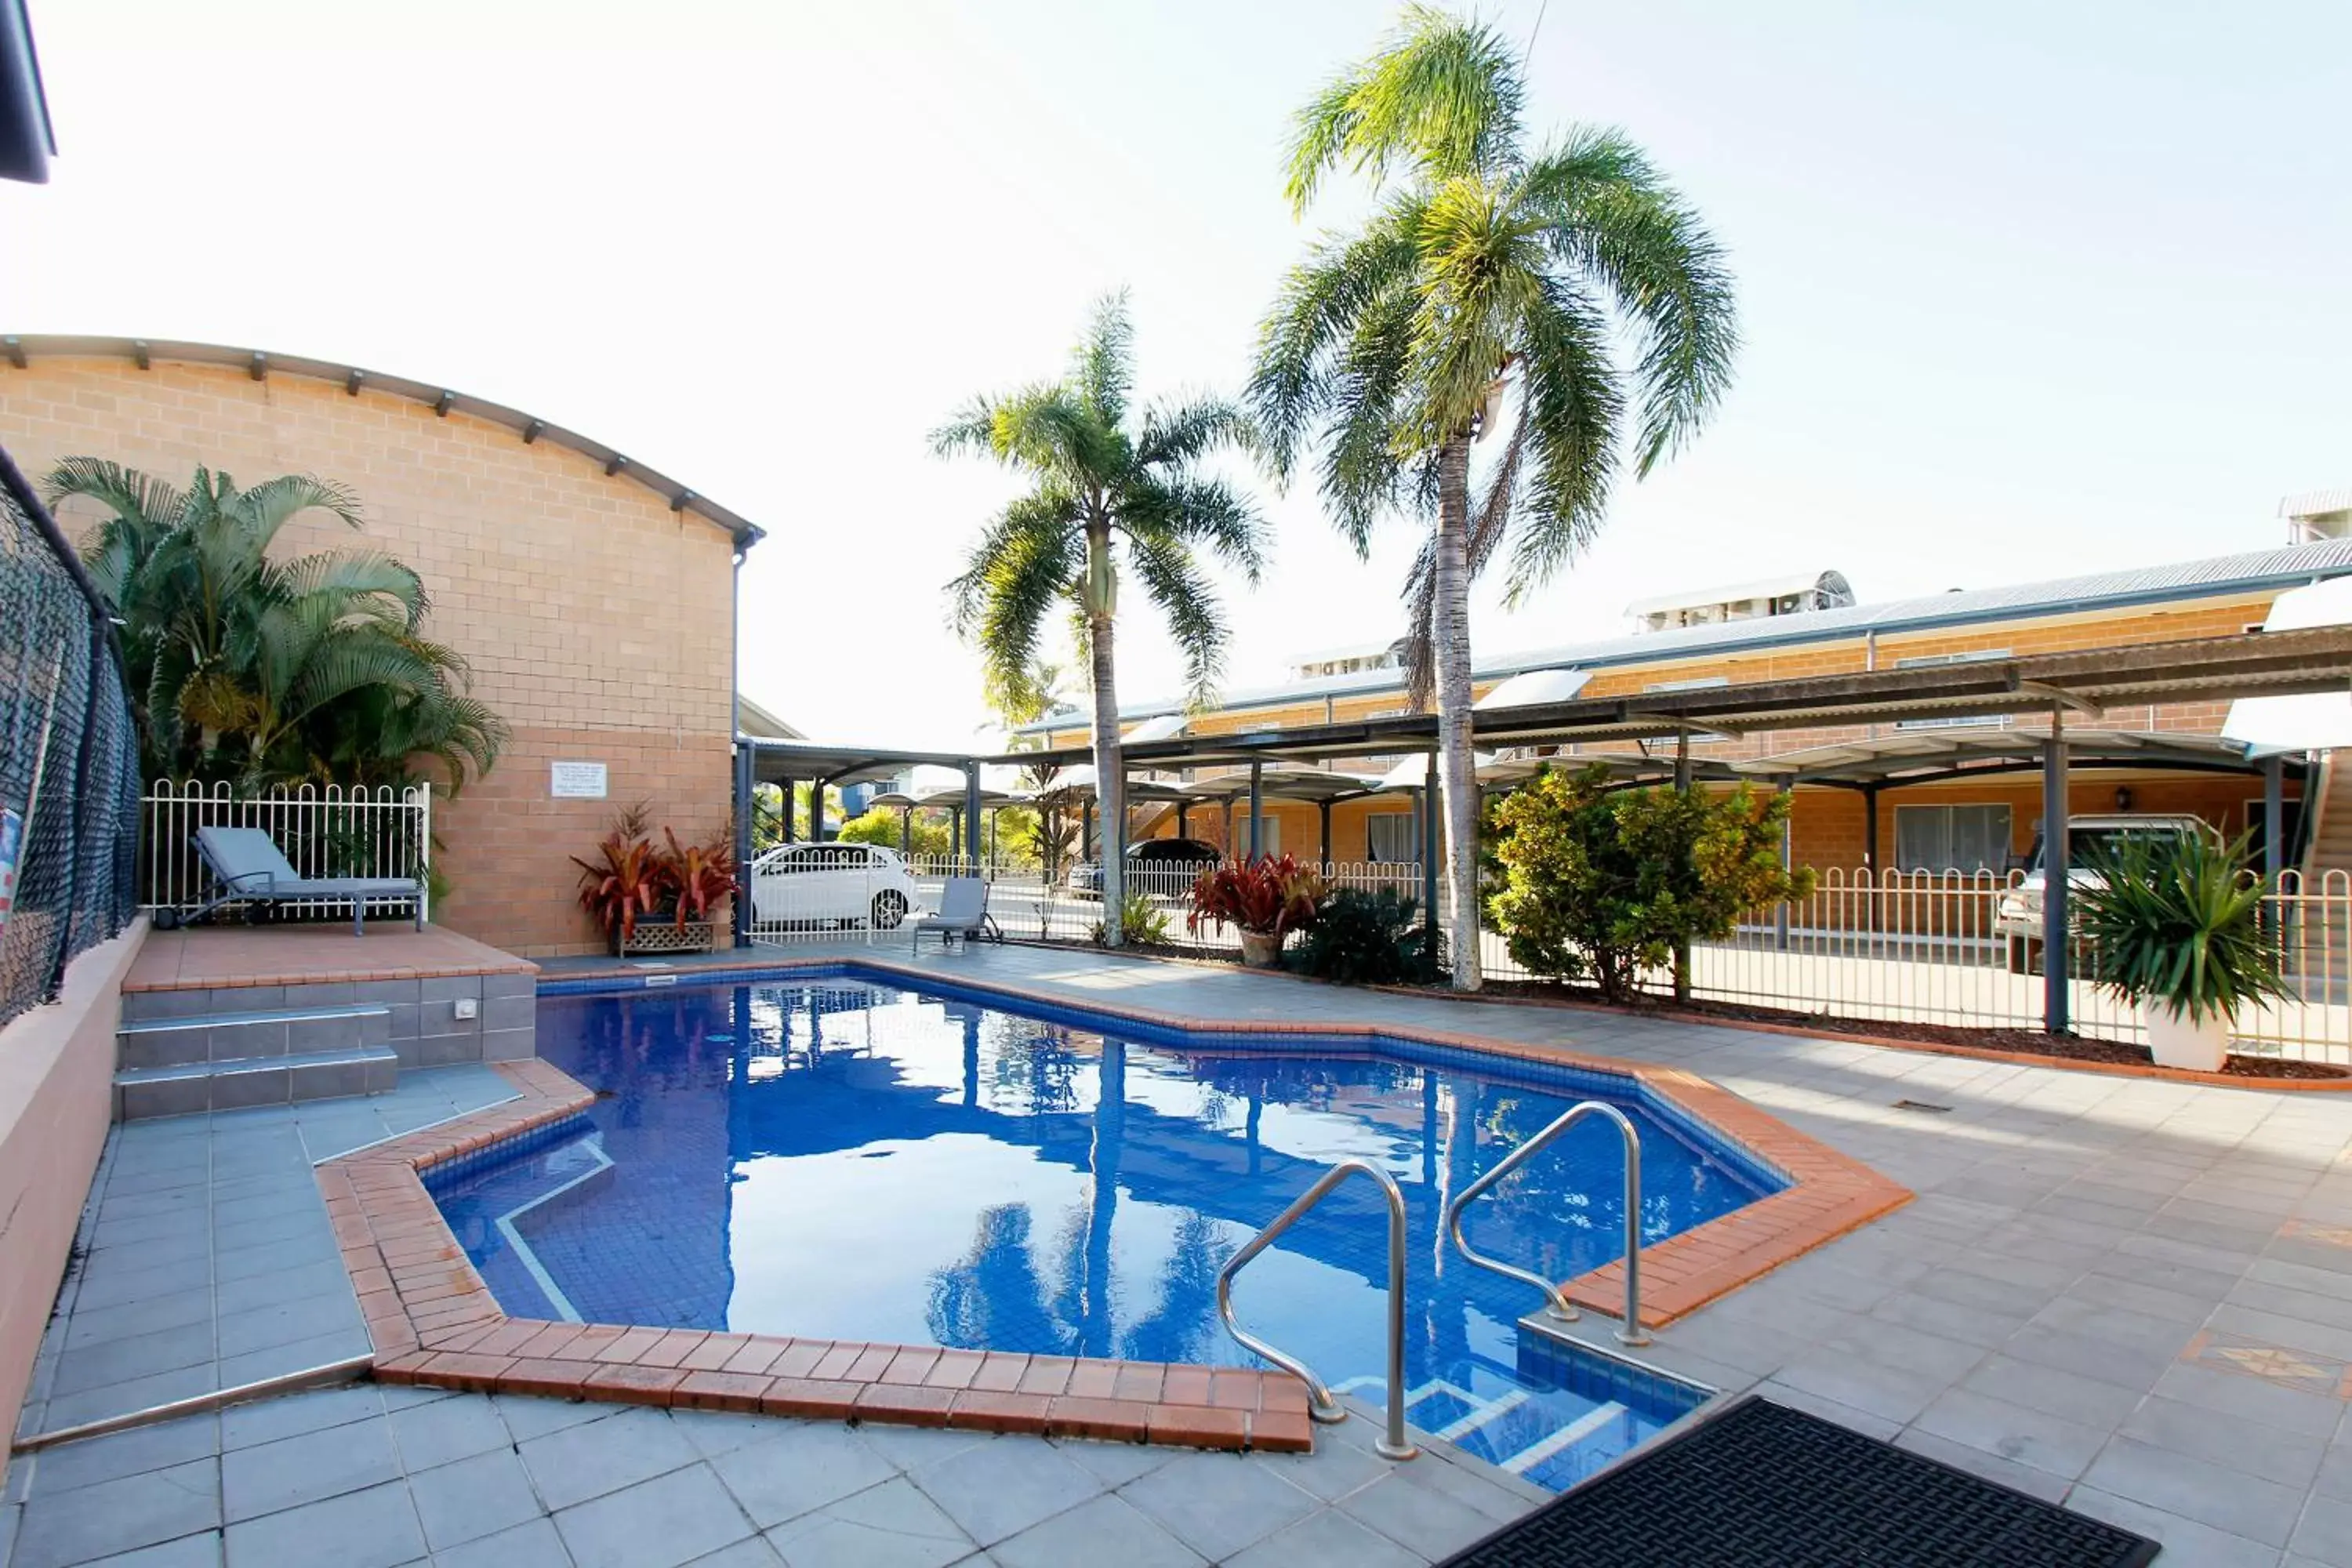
(1808, 625)
(593, 597)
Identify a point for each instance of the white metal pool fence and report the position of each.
(325, 831)
(1898, 947)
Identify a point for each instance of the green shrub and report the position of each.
(1596, 885)
(1365, 939)
(1139, 919)
(2175, 922)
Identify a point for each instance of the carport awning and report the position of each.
(1918, 756)
(1278, 781)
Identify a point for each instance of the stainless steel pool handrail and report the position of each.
(1320, 1404)
(1556, 1302)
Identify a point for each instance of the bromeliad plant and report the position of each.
(1271, 895)
(2173, 923)
(633, 879)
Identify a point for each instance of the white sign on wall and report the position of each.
(576, 780)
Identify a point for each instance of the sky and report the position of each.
(2025, 289)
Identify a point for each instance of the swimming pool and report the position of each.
(832, 1156)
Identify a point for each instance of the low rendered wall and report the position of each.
(57, 1080)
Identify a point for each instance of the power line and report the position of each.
(1540, 9)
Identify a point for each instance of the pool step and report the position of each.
(231, 1061)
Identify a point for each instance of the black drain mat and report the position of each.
(1763, 1485)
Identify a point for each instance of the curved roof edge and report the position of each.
(260, 366)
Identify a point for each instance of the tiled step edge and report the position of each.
(434, 1322)
(261, 1016)
(243, 1083)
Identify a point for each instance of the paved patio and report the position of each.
(2130, 1295)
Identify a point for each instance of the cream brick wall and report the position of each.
(598, 621)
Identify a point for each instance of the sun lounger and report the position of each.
(963, 911)
(250, 868)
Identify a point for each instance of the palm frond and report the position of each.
(1195, 618)
(1571, 407)
(1177, 434)
(1442, 95)
(1609, 212)
(1190, 511)
(1319, 304)
(1103, 367)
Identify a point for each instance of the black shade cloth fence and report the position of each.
(68, 757)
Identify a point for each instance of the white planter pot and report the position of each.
(2177, 1043)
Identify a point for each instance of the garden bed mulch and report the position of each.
(2005, 1042)
(2021, 1044)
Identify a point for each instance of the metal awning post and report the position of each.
(1429, 864)
(971, 817)
(1872, 895)
(1113, 831)
(1085, 828)
(816, 809)
(1184, 819)
(906, 830)
(2275, 819)
(785, 786)
(747, 771)
(1682, 788)
(2055, 860)
(1323, 810)
(1780, 915)
(1256, 805)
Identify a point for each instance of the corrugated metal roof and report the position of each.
(2315, 503)
(2286, 566)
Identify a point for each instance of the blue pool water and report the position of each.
(845, 1159)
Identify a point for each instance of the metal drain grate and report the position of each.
(1765, 1484)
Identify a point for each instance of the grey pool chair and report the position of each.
(963, 911)
(251, 868)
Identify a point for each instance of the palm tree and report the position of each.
(1108, 494)
(1483, 298)
(313, 667)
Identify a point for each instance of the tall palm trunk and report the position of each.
(1449, 636)
(1110, 781)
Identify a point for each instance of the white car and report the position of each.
(2018, 920)
(825, 884)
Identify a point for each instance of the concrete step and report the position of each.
(240, 1083)
(236, 1037)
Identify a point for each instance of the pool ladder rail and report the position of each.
(1392, 1444)
(1555, 1302)
(1320, 1403)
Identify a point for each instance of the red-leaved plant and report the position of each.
(634, 878)
(1270, 896)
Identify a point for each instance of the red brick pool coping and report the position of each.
(433, 1321)
(1829, 1193)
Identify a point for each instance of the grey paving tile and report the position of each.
(577, 1463)
(288, 1322)
(1991, 1467)
(201, 1550)
(789, 1473)
(293, 1356)
(2271, 1453)
(716, 1432)
(443, 1430)
(1115, 1464)
(912, 1447)
(1332, 1470)
(473, 1498)
(532, 1545)
(2184, 1540)
(527, 1417)
(268, 1477)
(1888, 1393)
(1327, 1540)
(97, 1325)
(2085, 1401)
(2226, 1499)
(2013, 1432)
(1218, 1503)
(373, 1529)
(753, 1553)
(127, 1453)
(2251, 1399)
(2325, 1535)
(123, 1398)
(1103, 1529)
(999, 1489)
(80, 1369)
(117, 1516)
(893, 1525)
(314, 1410)
(670, 1519)
(327, 1277)
(1416, 1516)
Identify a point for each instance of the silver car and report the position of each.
(2018, 918)
(831, 884)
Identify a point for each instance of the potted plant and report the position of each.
(1266, 898)
(2174, 925)
(651, 899)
